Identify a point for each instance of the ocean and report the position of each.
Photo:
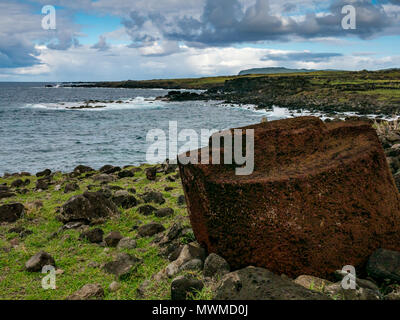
(39, 130)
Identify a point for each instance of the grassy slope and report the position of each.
(73, 255)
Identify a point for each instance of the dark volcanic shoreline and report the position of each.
(364, 92)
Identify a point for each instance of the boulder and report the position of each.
(82, 169)
(43, 173)
(192, 265)
(182, 287)
(384, 264)
(90, 207)
(215, 266)
(151, 173)
(11, 212)
(164, 212)
(321, 197)
(124, 199)
(126, 174)
(127, 243)
(38, 261)
(337, 292)
(88, 292)
(260, 284)
(312, 283)
(42, 184)
(93, 236)
(113, 239)
(71, 187)
(104, 178)
(154, 196)
(150, 229)
(122, 266)
(146, 210)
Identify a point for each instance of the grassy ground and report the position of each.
(80, 260)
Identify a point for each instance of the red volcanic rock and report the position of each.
(321, 197)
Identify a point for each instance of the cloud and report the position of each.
(101, 45)
(301, 56)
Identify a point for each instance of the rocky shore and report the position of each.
(124, 233)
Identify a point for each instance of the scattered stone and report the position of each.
(143, 288)
(182, 287)
(337, 292)
(132, 190)
(168, 189)
(38, 261)
(146, 210)
(93, 236)
(384, 264)
(114, 286)
(44, 173)
(150, 229)
(89, 206)
(215, 266)
(181, 200)
(18, 183)
(192, 265)
(11, 212)
(171, 178)
(123, 265)
(42, 184)
(82, 169)
(260, 284)
(127, 243)
(188, 252)
(126, 174)
(88, 292)
(154, 196)
(71, 187)
(312, 283)
(394, 293)
(104, 178)
(124, 199)
(113, 238)
(151, 173)
(164, 212)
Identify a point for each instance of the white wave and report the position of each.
(139, 103)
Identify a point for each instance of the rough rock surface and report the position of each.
(384, 264)
(11, 212)
(123, 265)
(321, 197)
(38, 261)
(260, 284)
(181, 287)
(90, 206)
(88, 292)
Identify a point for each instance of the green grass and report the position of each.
(72, 255)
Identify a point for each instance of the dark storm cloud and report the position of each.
(225, 22)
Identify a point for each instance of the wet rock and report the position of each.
(71, 187)
(83, 169)
(150, 229)
(38, 261)
(182, 287)
(124, 199)
(151, 173)
(11, 212)
(154, 196)
(43, 173)
(93, 236)
(164, 212)
(384, 264)
(260, 284)
(215, 266)
(113, 238)
(89, 206)
(88, 292)
(123, 265)
(127, 243)
(147, 210)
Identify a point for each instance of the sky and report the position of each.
(111, 40)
